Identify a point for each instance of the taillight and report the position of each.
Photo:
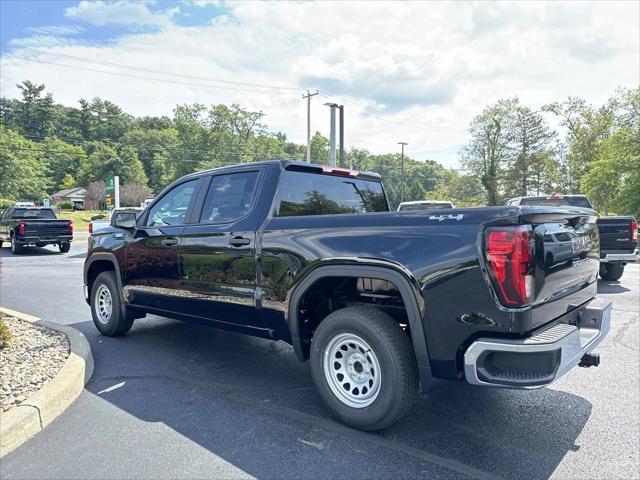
(510, 263)
(70, 227)
(634, 229)
(90, 227)
(21, 227)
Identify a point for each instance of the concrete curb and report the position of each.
(31, 416)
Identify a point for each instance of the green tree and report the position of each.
(67, 182)
(63, 159)
(490, 148)
(319, 148)
(35, 111)
(23, 168)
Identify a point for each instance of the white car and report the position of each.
(425, 205)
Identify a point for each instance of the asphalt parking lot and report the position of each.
(174, 400)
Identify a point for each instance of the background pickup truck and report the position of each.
(618, 235)
(34, 227)
(381, 303)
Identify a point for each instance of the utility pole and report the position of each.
(341, 107)
(332, 135)
(116, 185)
(308, 97)
(402, 171)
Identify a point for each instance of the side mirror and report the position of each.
(125, 220)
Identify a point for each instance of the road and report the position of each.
(173, 400)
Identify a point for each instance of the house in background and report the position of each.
(73, 195)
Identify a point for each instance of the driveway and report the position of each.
(174, 400)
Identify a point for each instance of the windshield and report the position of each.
(43, 213)
(557, 202)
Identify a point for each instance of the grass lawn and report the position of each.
(81, 218)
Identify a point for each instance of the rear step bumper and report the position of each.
(621, 257)
(538, 360)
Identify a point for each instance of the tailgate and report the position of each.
(566, 259)
(616, 234)
(46, 228)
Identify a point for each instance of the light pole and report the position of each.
(308, 97)
(341, 107)
(402, 171)
(332, 134)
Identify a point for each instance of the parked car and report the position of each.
(425, 205)
(34, 227)
(102, 223)
(381, 303)
(618, 235)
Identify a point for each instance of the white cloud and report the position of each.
(394, 65)
(121, 12)
(57, 30)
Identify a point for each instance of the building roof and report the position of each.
(71, 192)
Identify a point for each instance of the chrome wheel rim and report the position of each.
(352, 370)
(104, 304)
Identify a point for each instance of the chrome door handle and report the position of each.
(170, 242)
(239, 241)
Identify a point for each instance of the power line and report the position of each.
(129, 75)
(147, 70)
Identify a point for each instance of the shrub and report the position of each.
(5, 336)
(6, 203)
(65, 205)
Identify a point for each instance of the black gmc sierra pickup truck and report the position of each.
(382, 303)
(34, 227)
(618, 235)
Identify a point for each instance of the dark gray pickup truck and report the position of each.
(381, 303)
(618, 235)
(34, 227)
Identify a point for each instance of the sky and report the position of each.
(416, 72)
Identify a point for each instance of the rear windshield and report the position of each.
(44, 213)
(557, 202)
(304, 193)
(424, 206)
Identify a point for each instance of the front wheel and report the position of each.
(364, 367)
(611, 271)
(64, 247)
(16, 248)
(106, 306)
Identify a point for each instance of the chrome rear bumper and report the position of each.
(621, 257)
(538, 360)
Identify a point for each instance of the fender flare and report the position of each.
(407, 292)
(111, 258)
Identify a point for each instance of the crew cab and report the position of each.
(34, 227)
(381, 303)
(618, 235)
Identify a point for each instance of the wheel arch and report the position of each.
(98, 263)
(410, 297)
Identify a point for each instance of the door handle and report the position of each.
(170, 242)
(239, 241)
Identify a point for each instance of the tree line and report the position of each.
(46, 147)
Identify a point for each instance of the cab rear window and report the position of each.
(304, 193)
(43, 213)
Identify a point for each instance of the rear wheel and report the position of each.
(64, 247)
(364, 367)
(106, 306)
(611, 271)
(16, 248)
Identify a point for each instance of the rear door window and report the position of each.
(230, 197)
(304, 193)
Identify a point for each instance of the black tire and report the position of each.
(16, 248)
(64, 247)
(117, 323)
(398, 384)
(611, 271)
